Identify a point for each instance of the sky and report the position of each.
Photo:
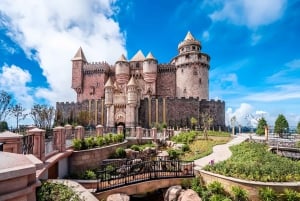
(254, 47)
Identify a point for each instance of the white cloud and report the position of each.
(240, 114)
(252, 13)
(205, 35)
(13, 80)
(52, 31)
(279, 93)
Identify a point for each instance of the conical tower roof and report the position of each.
(150, 56)
(139, 56)
(122, 58)
(108, 83)
(131, 82)
(79, 55)
(189, 36)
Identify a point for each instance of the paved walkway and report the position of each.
(220, 152)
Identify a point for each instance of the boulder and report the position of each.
(172, 193)
(118, 197)
(178, 146)
(188, 195)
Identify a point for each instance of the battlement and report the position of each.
(162, 68)
(96, 67)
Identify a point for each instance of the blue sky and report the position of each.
(254, 47)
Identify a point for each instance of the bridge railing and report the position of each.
(123, 172)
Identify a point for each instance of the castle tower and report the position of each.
(150, 74)
(191, 69)
(122, 70)
(108, 101)
(131, 103)
(77, 71)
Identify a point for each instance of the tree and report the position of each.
(281, 125)
(18, 112)
(298, 127)
(206, 122)
(193, 121)
(42, 115)
(262, 123)
(5, 100)
(3, 126)
(83, 118)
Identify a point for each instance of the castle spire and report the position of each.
(139, 56)
(108, 83)
(122, 58)
(79, 55)
(150, 56)
(131, 82)
(189, 36)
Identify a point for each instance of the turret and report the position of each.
(109, 90)
(150, 68)
(191, 69)
(77, 71)
(122, 70)
(132, 92)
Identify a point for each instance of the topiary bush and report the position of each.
(135, 147)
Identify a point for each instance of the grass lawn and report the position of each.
(200, 147)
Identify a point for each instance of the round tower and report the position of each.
(109, 90)
(122, 70)
(132, 92)
(191, 69)
(150, 68)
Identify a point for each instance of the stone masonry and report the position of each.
(142, 92)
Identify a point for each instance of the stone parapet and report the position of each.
(38, 142)
(11, 142)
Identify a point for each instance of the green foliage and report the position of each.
(252, 161)
(298, 127)
(89, 174)
(239, 194)
(186, 183)
(281, 125)
(216, 188)
(3, 126)
(194, 122)
(173, 154)
(262, 123)
(135, 147)
(184, 137)
(219, 197)
(267, 194)
(290, 195)
(76, 144)
(120, 153)
(99, 141)
(196, 186)
(185, 148)
(55, 191)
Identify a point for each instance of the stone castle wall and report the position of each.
(175, 112)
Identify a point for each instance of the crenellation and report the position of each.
(142, 91)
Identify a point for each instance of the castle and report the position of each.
(142, 92)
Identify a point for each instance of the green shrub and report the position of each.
(89, 142)
(219, 197)
(185, 148)
(216, 188)
(290, 195)
(120, 152)
(267, 194)
(239, 194)
(99, 141)
(196, 186)
(89, 174)
(76, 144)
(55, 191)
(173, 154)
(135, 147)
(186, 183)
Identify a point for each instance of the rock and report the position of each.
(178, 146)
(188, 195)
(172, 193)
(118, 197)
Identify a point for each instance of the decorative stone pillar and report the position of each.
(11, 142)
(68, 128)
(59, 142)
(79, 132)
(154, 134)
(99, 130)
(120, 129)
(38, 142)
(139, 132)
